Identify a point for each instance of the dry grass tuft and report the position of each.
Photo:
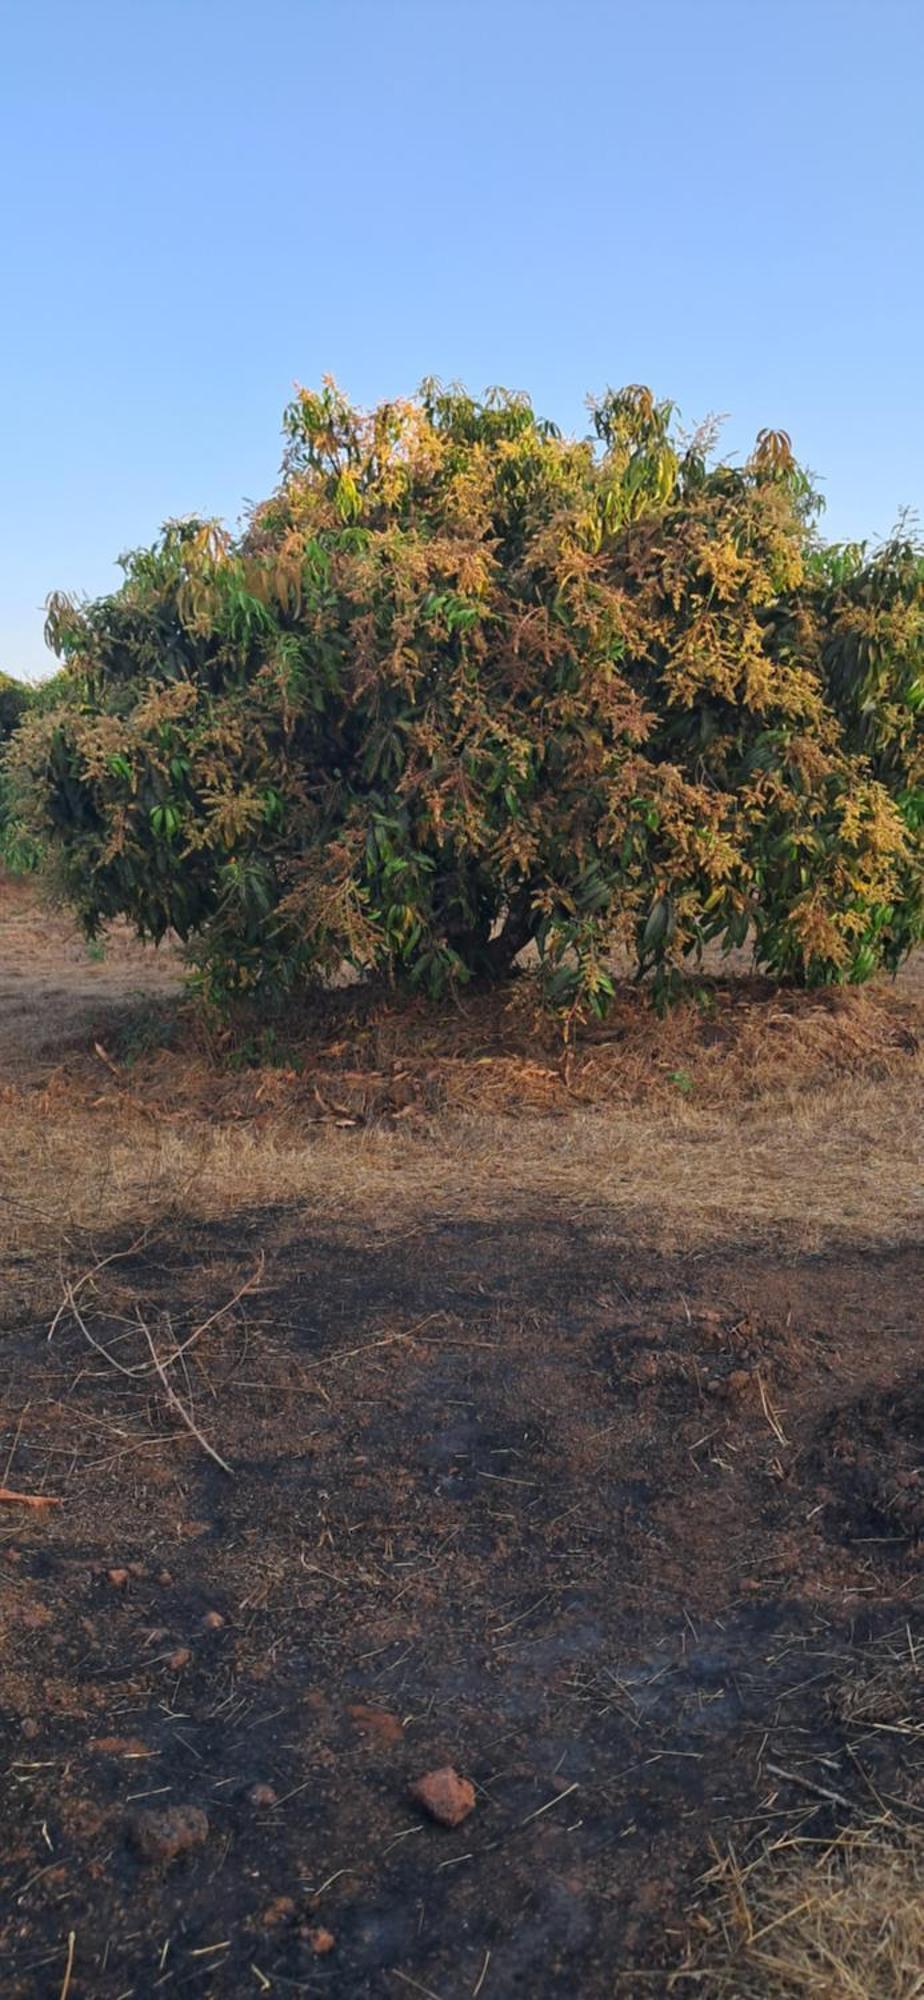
(887, 1696)
(850, 1927)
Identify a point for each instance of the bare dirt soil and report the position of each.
(56, 993)
(542, 1464)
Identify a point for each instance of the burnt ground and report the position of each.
(623, 1536)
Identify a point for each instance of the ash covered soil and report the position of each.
(618, 1535)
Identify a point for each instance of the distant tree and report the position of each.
(19, 850)
(14, 698)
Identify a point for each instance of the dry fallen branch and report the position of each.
(98, 1345)
(158, 1364)
(249, 1285)
(69, 1304)
(9, 1498)
(72, 1291)
(173, 1399)
(809, 1785)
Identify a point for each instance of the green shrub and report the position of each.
(464, 684)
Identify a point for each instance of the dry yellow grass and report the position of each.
(812, 1169)
(757, 1115)
(848, 1928)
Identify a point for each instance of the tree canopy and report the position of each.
(463, 684)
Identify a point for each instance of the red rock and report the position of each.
(262, 1795)
(179, 1659)
(320, 1940)
(161, 1836)
(118, 1578)
(278, 1911)
(212, 1622)
(445, 1796)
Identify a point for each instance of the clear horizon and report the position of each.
(205, 205)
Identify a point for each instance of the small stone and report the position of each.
(212, 1622)
(320, 1940)
(377, 1723)
(278, 1911)
(179, 1659)
(445, 1796)
(118, 1578)
(165, 1578)
(30, 1728)
(262, 1796)
(161, 1836)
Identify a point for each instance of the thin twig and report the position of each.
(482, 1975)
(71, 1291)
(71, 1947)
(415, 1983)
(772, 1420)
(143, 1368)
(15, 1444)
(249, 1285)
(140, 1368)
(809, 1785)
(180, 1408)
(549, 1804)
(349, 1353)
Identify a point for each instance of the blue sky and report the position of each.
(206, 200)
